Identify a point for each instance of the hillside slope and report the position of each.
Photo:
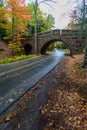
(4, 50)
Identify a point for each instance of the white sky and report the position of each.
(60, 11)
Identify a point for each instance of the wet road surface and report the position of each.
(17, 78)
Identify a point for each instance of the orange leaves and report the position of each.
(20, 13)
(18, 9)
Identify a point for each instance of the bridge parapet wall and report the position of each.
(68, 36)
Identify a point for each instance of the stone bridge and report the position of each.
(72, 38)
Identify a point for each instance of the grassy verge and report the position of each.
(67, 52)
(49, 52)
(17, 58)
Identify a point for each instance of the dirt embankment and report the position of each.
(4, 50)
(57, 102)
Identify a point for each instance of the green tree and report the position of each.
(44, 22)
(82, 22)
(3, 21)
(36, 3)
(50, 22)
(81, 25)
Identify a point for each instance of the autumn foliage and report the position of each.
(19, 14)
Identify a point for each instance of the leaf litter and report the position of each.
(67, 107)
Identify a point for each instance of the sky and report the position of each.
(60, 11)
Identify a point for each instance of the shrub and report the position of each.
(1, 49)
(16, 47)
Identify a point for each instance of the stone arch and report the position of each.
(27, 49)
(47, 43)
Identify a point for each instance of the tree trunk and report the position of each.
(85, 54)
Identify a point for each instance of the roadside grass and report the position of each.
(67, 51)
(49, 52)
(17, 58)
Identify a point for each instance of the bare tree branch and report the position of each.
(43, 1)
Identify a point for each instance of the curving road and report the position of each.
(17, 78)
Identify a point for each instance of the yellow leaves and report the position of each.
(69, 98)
(76, 123)
(10, 116)
(2, 14)
(43, 111)
(66, 106)
(70, 118)
(53, 111)
(72, 107)
(56, 105)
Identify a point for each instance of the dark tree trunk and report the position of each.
(85, 54)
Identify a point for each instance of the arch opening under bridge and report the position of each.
(27, 49)
(59, 44)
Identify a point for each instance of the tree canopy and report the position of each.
(17, 19)
(81, 24)
(3, 21)
(45, 22)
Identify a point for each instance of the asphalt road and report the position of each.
(17, 78)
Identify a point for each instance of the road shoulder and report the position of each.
(45, 106)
